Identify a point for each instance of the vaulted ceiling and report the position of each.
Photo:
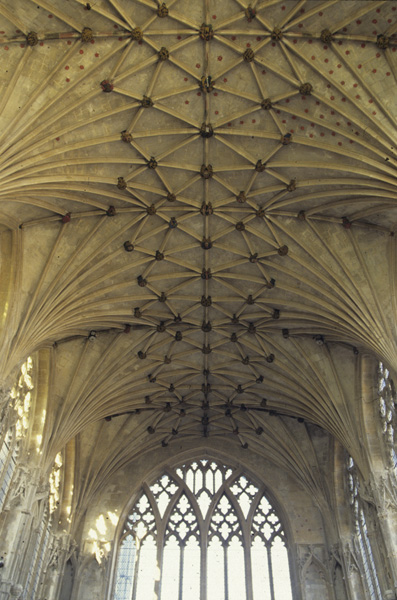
(202, 197)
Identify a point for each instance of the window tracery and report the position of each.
(202, 531)
(361, 530)
(8, 456)
(21, 395)
(55, 482)
(40, 548)
(387, 411)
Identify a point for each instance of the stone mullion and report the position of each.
(246, 529)
(204, 527)
(269, 562)
(161, 527)
(181, 564)
(8, 459)
(366, 559)
(225, 570)
(368, 532)
(136, 570)
(383, 481)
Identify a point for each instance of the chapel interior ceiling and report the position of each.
(204, 195)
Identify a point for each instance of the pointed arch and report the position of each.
(207, 527)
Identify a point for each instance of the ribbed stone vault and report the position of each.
(204, 197)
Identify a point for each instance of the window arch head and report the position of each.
(202, 531)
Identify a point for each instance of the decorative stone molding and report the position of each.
(382, 494)
(350, 558)
(5, 399)
(162, 11)
(87, 35)
(326, 36)
(16, 590)
(137, 34)
(309, 555)
(18, 492)
(206, 32)
(163, 54)
(32, 38)
(248, 55)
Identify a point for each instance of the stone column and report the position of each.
(54, 570)
(384, 495)
(10, 591)
(353, 571)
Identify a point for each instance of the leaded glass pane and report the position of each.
(215, 570)
(236, 569)
(191, 570)
(280, 564)
(147, 570)
(387, 412)
(170, 572)
(260, 570)
(125, 569)
(367, 558)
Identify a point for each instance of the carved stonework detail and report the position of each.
(17, 494)
(137, 34)
(266, 104)
(32, 38)
(162, 11)
(351, 558)
(5, 410)
(16, 591)
(276, 34)
(326, 36)
(312, 560)
(249, 55)
(206, 32)
(163, 54)
(383, 494)
(87, 35)
(306, 89)
(382, 41)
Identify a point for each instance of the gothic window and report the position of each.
(55, 482)
(40, 540)
(21, 393)
(364, 544)
(9, 445)
(387, 410)
(202, 531)
(8, 454)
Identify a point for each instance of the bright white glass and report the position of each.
(147, 570)
(180, 550)
(191, 570)
(215, 571)
(260, 571)
(236, 570)
(170, 570)
(280, 565)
